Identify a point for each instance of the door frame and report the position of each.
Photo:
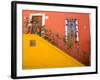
(38, 14)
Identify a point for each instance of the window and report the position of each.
(71, 30)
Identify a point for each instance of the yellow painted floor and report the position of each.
(44, 54)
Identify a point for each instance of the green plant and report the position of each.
(72, 33)
(69, 44)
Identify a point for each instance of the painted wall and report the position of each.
(55, 58)
(56, 23)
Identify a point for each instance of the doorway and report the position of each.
(37, 21)
(36, 24)
(72, 37)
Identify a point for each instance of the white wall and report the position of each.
(5, 41)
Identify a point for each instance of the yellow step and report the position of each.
(44, 54)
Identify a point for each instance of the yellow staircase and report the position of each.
(44, 54)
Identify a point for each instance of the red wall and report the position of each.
(56, 23)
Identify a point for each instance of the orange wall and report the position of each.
(56, 23)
